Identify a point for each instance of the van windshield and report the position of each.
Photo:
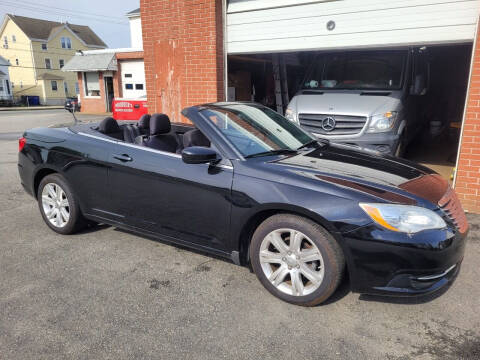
(358, 70)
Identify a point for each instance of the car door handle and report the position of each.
(122, 157)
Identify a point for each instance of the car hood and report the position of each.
(387, 178)
(346, 102)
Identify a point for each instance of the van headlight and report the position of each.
(290, 115)
(403, 218)
(382, 122)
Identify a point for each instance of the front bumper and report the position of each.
(383, 262)
(380, 143)
(411, 285)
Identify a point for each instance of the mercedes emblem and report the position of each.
(328, 124)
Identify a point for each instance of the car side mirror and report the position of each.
(199, 155)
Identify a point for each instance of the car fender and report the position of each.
(243, 230)
(43, 170)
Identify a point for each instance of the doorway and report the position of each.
(109, 92)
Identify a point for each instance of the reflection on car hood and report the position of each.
(347, 103)
(389, 178)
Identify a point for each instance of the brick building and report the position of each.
(107, 74)
(184, 55)
(467, 182)
(110, 73)
(199, 51)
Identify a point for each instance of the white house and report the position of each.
(136, 40)
(5, 86)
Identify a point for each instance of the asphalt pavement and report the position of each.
(108, 294)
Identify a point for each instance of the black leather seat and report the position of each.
(141, 129)
(160, 137)
(130, 132)
(143, 124)
(195, 138)
(133, 133)
(110, 127)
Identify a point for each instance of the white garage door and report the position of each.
(133, 79)
(255, 26)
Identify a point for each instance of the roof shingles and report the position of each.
(92, 62)
(43, 29)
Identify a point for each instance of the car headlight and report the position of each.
(403, 218)
(382, 122)
(290, 115)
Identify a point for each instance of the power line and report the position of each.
(76, 11)
(99, 18)
(60, 13)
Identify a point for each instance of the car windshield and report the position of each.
(255, 129)
(359, 70)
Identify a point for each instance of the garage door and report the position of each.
(256, 26)
(133, 78)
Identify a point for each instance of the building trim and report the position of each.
(4, 24)
(467, 96)
(225, 49)
(286, 4)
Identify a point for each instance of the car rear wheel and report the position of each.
(58, 206)
(296, 259)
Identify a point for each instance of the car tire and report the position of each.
(58, 205)
(304, 282)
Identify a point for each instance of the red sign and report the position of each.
(126, 109)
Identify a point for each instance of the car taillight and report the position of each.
(21, 143)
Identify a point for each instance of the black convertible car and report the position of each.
(249, 185)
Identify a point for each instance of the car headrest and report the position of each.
(159, 124)
(195, 138)
(108, 126)
(144, 121)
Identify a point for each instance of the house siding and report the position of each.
(5, 94)
(24, 73)
(55, 52)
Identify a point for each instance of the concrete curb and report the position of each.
(92, 113)
(31, 108)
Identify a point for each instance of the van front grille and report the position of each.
(343, 124)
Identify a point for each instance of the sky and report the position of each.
(105, 17)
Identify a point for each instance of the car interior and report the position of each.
(155, 132)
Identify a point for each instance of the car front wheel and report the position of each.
(58, 205)
(296, 259)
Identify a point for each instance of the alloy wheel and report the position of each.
(55, 205)
(292, 262)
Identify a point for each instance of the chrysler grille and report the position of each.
(344, 124)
